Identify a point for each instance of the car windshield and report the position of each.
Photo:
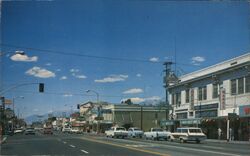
(194, 131)
(120, 77)
(157, 130)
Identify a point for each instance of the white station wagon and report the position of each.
(189, 134)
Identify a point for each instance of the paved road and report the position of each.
(67, 144)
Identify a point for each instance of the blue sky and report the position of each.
(201, 33)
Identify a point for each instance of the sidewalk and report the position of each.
(2, 140)
(229, 142)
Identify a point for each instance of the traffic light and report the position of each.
(41, 87)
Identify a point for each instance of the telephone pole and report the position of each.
(167, 71)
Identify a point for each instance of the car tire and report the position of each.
(198, 141)
(181, 140)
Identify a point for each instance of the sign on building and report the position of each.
(222, 99)
(244, 111)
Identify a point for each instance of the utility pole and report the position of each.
(167, 71)
(141, 117)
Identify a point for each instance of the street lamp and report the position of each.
(13, 102)
(97, 94)
(99, 108)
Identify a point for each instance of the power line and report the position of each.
(88, 56)
(77, 54)
(67, 93)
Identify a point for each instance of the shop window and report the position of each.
(187, 96)
(241, 85)
(247, 84)
(215, 91)
(233, 87)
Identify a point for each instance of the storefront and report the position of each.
(244, 128)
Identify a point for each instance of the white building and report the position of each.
(212, 93)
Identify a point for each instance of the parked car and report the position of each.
(47, 130)
(135, 132)
(66, 130)
(157, 134)
(189, 134)
(117, 132)
(75, 131)
(29, 130)
(18, 131)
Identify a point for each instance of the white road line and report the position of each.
(72, 146)
(65, 142)
(213, 147)
(84, 151)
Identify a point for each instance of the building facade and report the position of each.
(209, 97)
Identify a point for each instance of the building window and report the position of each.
(204, 93)
(178, 99)
(187, 96)
(233, 87)
(241, 85)
(173, 99)
(247, 84)
(200, 93)
(215, 91)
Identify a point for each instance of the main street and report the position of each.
(68, 144)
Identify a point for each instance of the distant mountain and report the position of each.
(35, 117)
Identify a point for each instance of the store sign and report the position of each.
(222, 99)
(244, 111)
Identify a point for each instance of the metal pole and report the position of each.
(141, 117)
(228, 125)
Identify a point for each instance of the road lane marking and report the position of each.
(84, 151)
(132, 148)
(72, 146)
(213, 147)
(65, 142)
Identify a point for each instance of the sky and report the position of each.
(115, 48)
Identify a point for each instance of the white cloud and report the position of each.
(40, 72)
(58, 70)
(63, 78)
(74, 70)
(138, 75)
(137, 100)
(20, 56)
(133, 91)
(67, 95)
(48, 64)
(154, 59)
(80, 76)
(35, 110)
(197, 60)
(153, 98)
(112, 78)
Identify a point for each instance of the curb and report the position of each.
(228, 142)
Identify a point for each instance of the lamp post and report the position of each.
(99, 108)
(97, 95)
(13, 103)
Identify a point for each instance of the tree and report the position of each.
(129, 102)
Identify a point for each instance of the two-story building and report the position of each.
(209, 97)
